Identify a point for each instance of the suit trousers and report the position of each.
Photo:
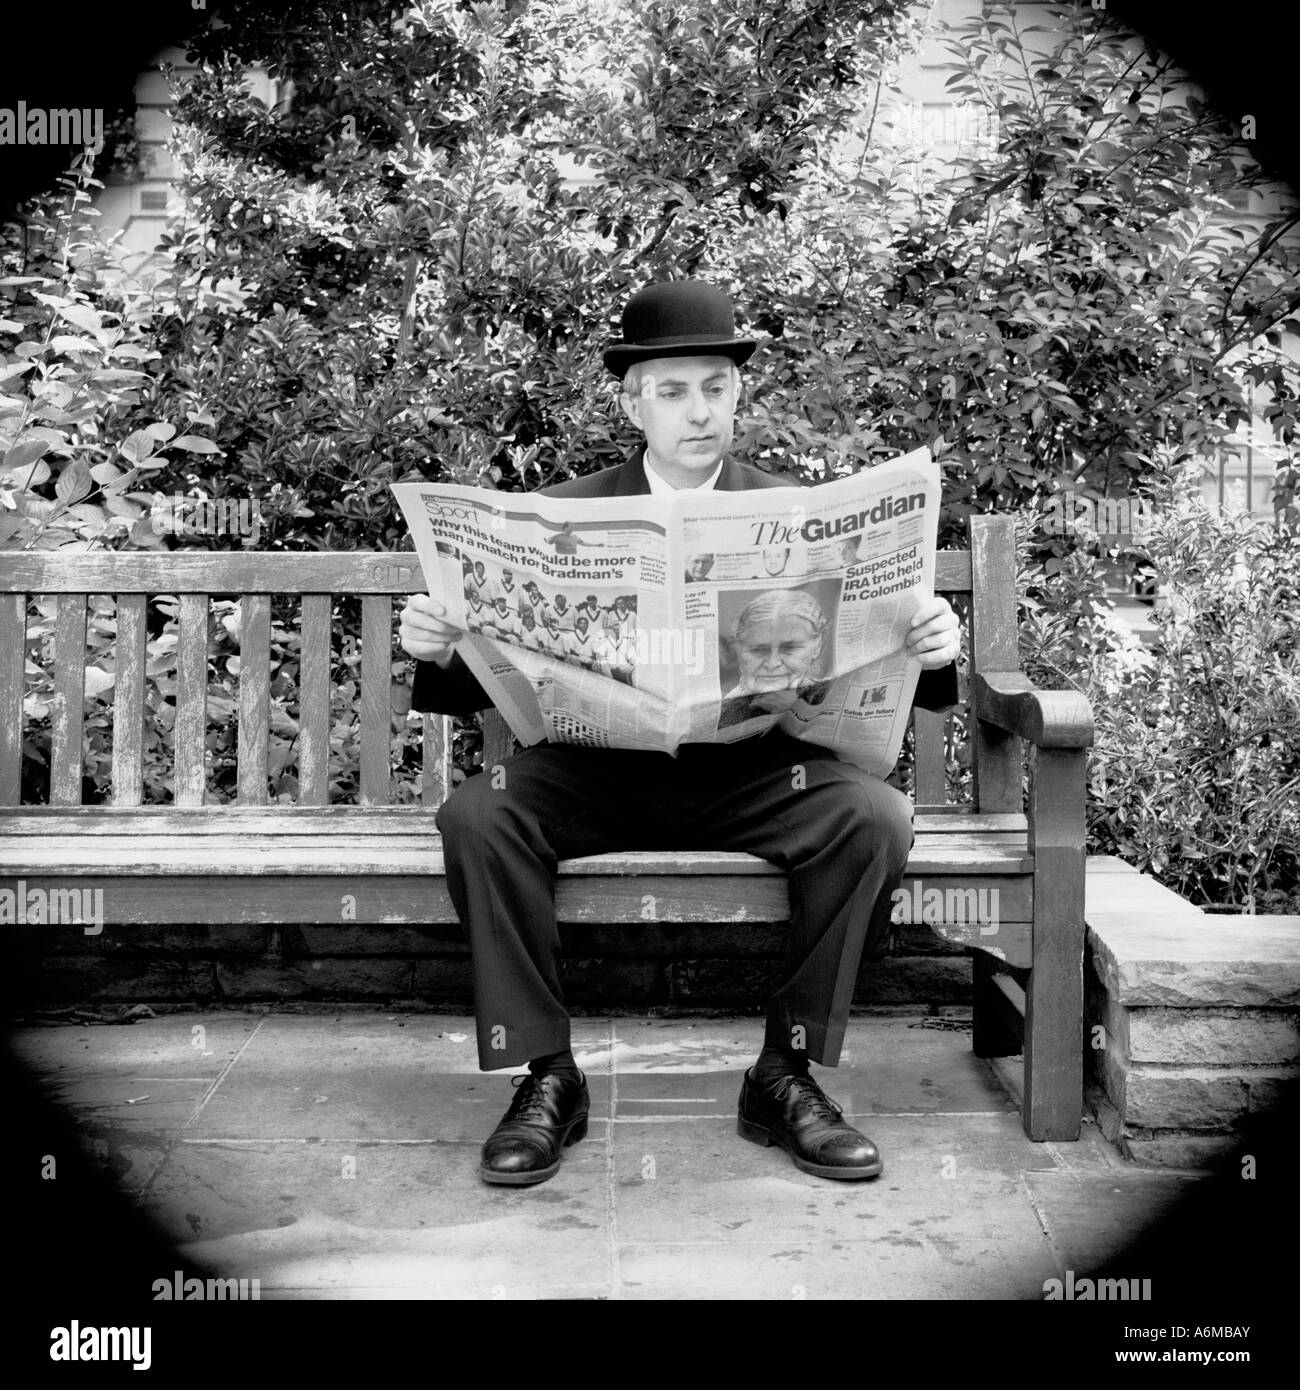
(841, 834)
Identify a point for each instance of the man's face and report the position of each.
(561, 602)
(776, 653)
(581, 625)
(686, 408)
(507, 579)
(699, 566)
(775, 559)
(480, 570)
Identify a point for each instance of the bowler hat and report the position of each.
(677, 318)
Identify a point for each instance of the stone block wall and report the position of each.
(649, 966)
(1193, 1020)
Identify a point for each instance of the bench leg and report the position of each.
(1054, 997)
(1054, 1045)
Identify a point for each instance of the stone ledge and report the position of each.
(1150, 948)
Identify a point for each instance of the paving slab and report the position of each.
(324, 1218)
(147, 1077)
(817, 1270)
(354, 1077)
(133, 1088)
(334, 1155)
(191, 1044)
(1092, 1218)
(323, 1256)
(898, 1068)
(951, 1199)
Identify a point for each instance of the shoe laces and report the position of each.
(530, 1098)
(822, 1105)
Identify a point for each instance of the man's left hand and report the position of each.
(935, 638)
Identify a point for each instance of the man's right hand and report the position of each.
(424, 634)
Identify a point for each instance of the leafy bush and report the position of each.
(75, 465)
(1195, 773)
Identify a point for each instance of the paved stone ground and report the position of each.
(333, 1155)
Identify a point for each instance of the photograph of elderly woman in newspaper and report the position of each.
(775, 645)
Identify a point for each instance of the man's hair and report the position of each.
(777, 604)
(634, 375)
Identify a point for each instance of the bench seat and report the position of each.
(247, 865)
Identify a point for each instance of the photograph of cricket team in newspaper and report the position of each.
(542, 616)
(645, 622)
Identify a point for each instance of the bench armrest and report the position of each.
(1048, 718)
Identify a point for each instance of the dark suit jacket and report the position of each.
(455, 690)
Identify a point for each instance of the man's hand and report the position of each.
(423, 633)
(935, 638)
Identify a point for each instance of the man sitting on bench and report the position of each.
(841, 834)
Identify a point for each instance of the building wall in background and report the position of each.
(138, 208)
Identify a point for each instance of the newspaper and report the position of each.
(647, 622)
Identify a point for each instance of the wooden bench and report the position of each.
(379, 862)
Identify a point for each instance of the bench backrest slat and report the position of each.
(128, 700)
(314, 701)
(210, 572)
(268, 572)
(68, 710)
(435, 782)
(952, 572)
(191, 701)
(498, 741)
(373, 710)
(998, 757)
(13, 653)
(929, 770)
(254, 697)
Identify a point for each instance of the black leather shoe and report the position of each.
(797, 1114)
(547, 1114)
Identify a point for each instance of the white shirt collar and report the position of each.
(660, 487)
